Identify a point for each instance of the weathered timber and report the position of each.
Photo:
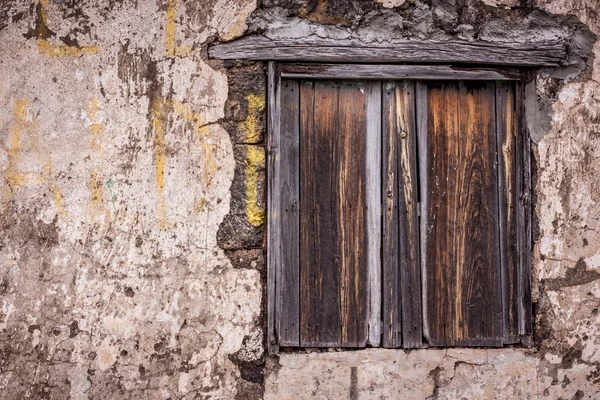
(410, 272)
(288, 191)
(463, 267)
(523, 218)
(354, 51)
(392, 319)
(379, 72)
(422, 123)
(273, 227)
(333, 240)
(506, 131)
(373, 199)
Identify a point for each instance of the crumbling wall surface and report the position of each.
(132, 203)
(563, 117)
(115, 173)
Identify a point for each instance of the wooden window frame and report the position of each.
(276, 236)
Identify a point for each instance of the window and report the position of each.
(399, 210)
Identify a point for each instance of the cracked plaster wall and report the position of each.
(132, 204)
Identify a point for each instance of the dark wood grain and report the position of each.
(523, 219)
(463, 281)
(395, 72)
(410, 272)
(349, 157)
(392, 318)
(273, 227)
(506, 132)
(288, 176)
(333, 243)
(355, 51)
(402, 279)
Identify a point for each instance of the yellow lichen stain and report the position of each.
(250, 126)
(159, 161)
(96, 127)
(96, 178)
(25, 123)
(255, 161)
(171, 47)
(160, 112)
(200, 205)
(95, 185)
(58, 50)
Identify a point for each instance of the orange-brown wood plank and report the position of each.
(464, 300)
(506, 129)
(350, 182)
(333, 264)
(402, 318)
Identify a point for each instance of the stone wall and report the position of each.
(132, 204)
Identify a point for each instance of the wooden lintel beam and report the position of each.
(411, 51)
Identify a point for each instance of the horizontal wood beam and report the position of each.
(411, 51)
(385, 71)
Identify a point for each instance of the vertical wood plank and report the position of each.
(288, 178)
(318, 267)
(422, 110)
(523, 218)
(373, 204)
(506, 131)
(349, 155)
(410, 272)
(333, 215)
(402, 283)
(463, 279)
(273, 227)
(392, 323)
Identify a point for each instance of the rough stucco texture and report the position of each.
(132, 212)
(114, 178)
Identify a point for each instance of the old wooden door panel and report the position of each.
(287, 195)
(401, 273)
(506, 130)
(463, 278)
(333, 241)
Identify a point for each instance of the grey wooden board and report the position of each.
(373, 187)
(392, 320)
(333, 50)
(523, 219)
(273, 227)
(421, 112)
(505, 129)
(378, 72)
(410, 272)
(288, 189)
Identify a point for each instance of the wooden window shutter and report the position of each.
(474, 219)
(329, 213)
(400, 210)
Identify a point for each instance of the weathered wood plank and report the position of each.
(421, 104)
(333, 241)
(463, 278)
(396, 72)
(523, 219)
(350, 182)
(273, 226)
(334, 50)
(392, 319)
(410, 272)
(505, 129)
(373, 199)
(288, 190)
